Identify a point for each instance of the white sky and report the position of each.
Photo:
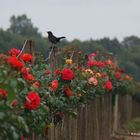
(83, 19)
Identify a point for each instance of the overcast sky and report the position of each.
(83, 19)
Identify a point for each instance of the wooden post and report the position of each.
(52, 59)
(116, 115)
(32, 51)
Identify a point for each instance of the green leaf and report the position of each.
(15, 135)
(2, 115)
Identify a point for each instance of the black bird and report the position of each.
(53, 39)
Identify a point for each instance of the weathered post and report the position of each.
(52, 58)
(32, 50)
(116, 115)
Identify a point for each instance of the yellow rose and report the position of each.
(98, 75)
(79, 94)
(89, 71)
(69, 61)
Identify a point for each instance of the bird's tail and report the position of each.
(62, 37)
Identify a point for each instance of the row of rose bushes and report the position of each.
(32, 99)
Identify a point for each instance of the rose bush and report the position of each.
(33, 98)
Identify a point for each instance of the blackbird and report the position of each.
(53, 39)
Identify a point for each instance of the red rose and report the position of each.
(100, 64)
(91, 63)
(108, 85)
(3, 93)
(32, 101)
(54, 84)
(36, 84)
(24, 70)
(14, 52)
(67, 74)
(47, 72)
(26, 57)
(14, 62)
(28, 77)
(108, 62)
(68, 91)
(118, 75)
(57, 72)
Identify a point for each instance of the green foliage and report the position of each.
(12, 126)
(131, 41)
(7, 40)
(134, 125)
(110, 45)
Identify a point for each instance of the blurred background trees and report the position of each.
(22, 25)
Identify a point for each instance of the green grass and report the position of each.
(134, 125)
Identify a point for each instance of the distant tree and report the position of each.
(110, 45)
(9, 40)
(131, 41)
(88, 46)
(23, 26)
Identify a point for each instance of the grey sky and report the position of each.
(83, 19)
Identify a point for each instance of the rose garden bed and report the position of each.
(32, 97)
